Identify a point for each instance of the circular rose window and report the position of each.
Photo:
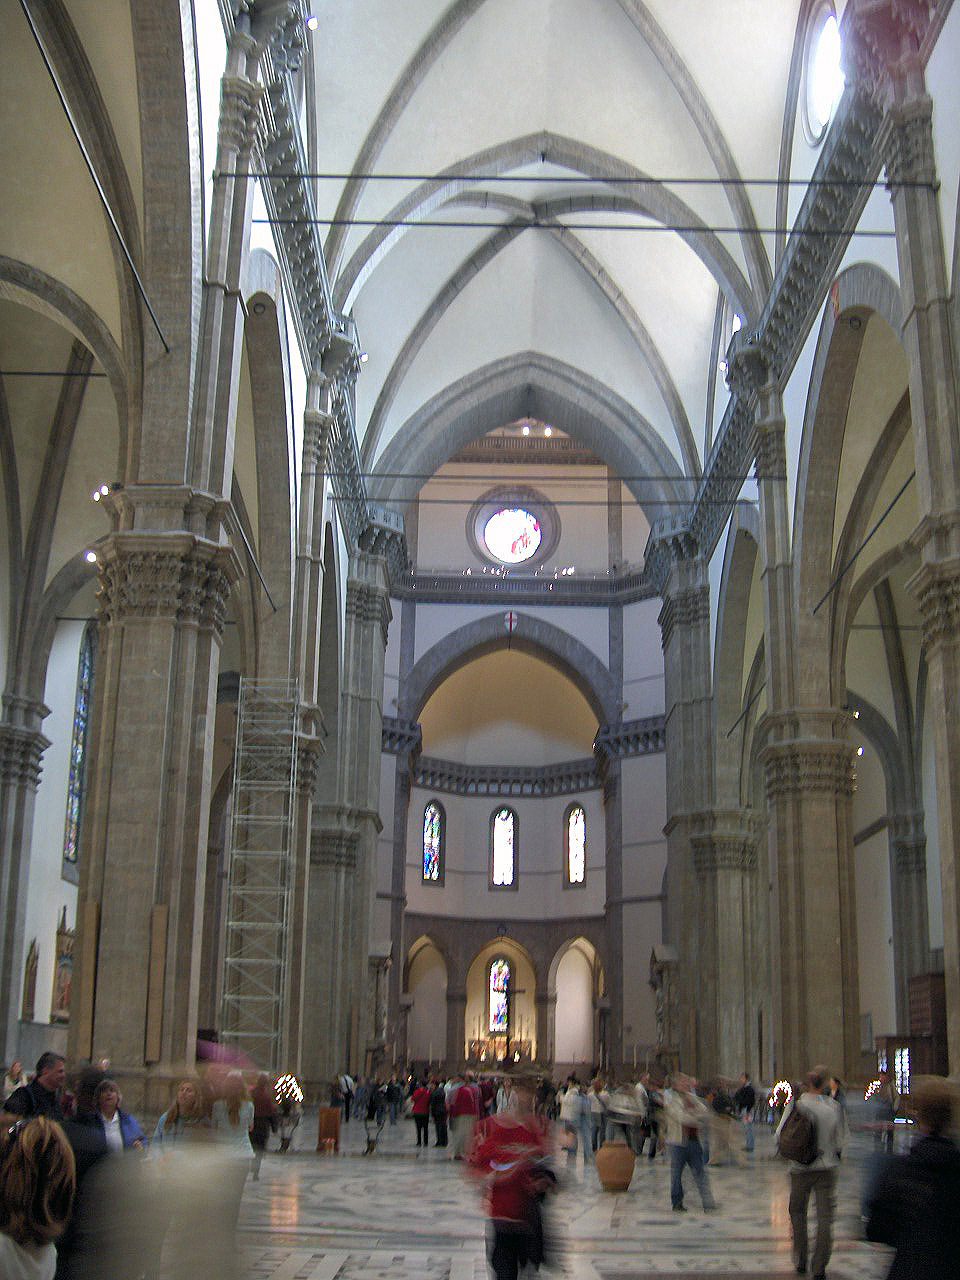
(512, 535)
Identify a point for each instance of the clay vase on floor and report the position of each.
(615, 1163)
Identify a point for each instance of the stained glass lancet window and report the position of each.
(503, 864)
(78, 747)
(499, 997)
(433, 843)
(576, 845)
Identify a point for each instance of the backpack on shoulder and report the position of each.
(797, 1139)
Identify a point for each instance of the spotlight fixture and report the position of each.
(525, 429)
(313, 22)
(90, 557)
(259, 308)
(859, 751)
(548, 431)
(100, 493)
(364, 357)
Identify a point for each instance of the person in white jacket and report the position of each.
(686, 1117)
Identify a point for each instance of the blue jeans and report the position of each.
(579, 1129)
(689, 1152)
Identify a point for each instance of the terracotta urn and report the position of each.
(615, 1163)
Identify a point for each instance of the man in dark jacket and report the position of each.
(41, 1097)
(744, 1101)
(913, 1205)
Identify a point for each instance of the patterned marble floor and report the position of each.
(400, 1215)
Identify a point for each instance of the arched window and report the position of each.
(575, 846)
(78, 753)
(503, 850)
(434, 835)
(499, 995)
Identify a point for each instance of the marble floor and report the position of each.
(402, 1215)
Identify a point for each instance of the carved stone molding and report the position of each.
(239, 113)
(186, 583)
(333, 849)
(687, 608)
(798, 768)
(875, 37)
(906, 144)
(21, 754)
(400, 737)
(937, 588)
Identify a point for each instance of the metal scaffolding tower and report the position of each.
(260, 871)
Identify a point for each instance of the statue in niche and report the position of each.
(30, 982)
(62, 972)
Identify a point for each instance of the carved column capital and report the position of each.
(309, 751)
(21, 755)
(685, 608)
(936, 585)
(910, 856)
(906, 143)
(723, 851)
(239, 113)
(336, 849)
(807, 767)
(177, 577)
(318, 437)
(368, 604)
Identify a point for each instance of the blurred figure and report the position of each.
(289, 1096)
(346, 1089)
(13, 1078)
(575, 1116)
(232, 1120)
(818, 1178)
(37, 1181)
(686, 1118)
(598, 1099)
(886, 1100)
(264, 1120)
(913, 1206)
(41, 1097)
(508, 1155)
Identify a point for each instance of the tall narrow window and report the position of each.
(499, 998)
(575, 860)
(503, 850)
(78, 753)
(433, 838)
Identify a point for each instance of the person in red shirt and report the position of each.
(463, 1108)
(508, 1153)
(420, 1098)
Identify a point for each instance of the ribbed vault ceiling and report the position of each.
(579, 134)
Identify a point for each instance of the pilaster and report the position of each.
(456, 1026)
(613, 910)
(908, 899)
(546, 1007)
(21, 753)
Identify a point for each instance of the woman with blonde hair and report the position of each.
(37, 1181)
(186, 1118)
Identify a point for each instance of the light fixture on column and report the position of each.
(90, 557)
(312, 22)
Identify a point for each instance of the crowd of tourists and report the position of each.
(70, 1153)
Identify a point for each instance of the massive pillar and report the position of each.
(685, 627)
(907, 148)
(613, 912)
(908, 900)
(146, 814)
(456, 1023)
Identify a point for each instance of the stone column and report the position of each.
(810, 781)
(906, 145)
(685, 632)
(725, 863)
(908, 899)
(546, 1006)
(398, 898)
(456, 1026)
(21, 750)
(146, 813)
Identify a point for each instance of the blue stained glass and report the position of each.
(499, 996)
(432, 841)
(78, 747)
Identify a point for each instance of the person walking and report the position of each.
(744, 1101)
(264, 1119)
(686, 1118)
(420, 1100)
(346, 1092)
(818, 1178)
(438, 1111)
